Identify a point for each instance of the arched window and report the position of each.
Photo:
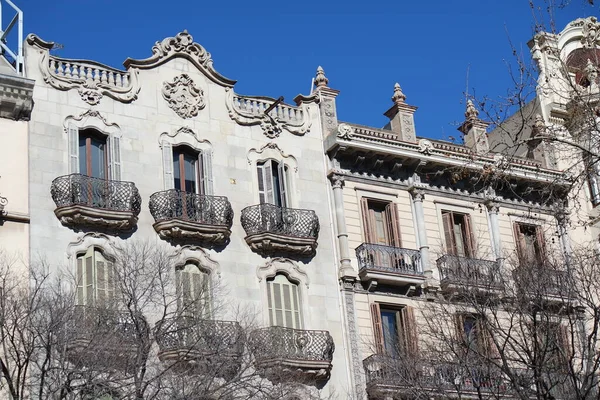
(193, 290)
(273, 182)
(284, 302)
(93, 157)
(95, 279)
(187, 169)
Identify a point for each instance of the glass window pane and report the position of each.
(98, 149)
(276, 183)
(82, 156)
(190, 172)
(390, 330)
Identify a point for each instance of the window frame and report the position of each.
(188, 269)
(539, 242)
(182, 150)
(391, 222)
(297, 314)
(278, 175)
(83, 295)
(467, 233)
(406, 329)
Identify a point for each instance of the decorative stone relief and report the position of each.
(183, 96)
(251, 111)
(272, 150)
(500, 161)
(92, 80)
(425, 146)
(3, 203)
(354, 340)
(344, 131)
(280, 264)
(591, 32)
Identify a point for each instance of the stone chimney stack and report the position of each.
(327, 105)
(401, 117)
(474, 130)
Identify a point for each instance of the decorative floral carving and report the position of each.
(344, 131)
(425, 146)
(92, 80)
(251, 111)
(591, 32)
(183, 96)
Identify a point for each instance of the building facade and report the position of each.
(234, 187)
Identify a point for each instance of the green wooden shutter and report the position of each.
(80, 281)
(284, 303)
(167, 151)
(73, 138)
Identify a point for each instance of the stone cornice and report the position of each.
(16, 97)
(431, 151)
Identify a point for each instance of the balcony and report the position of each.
(188, 216)
(292, 354)
(201, 346)
(390, 265)
(272, 229)
(103, 338)
(464, 273)
(543, 281)
(389, 377)
(85, 201)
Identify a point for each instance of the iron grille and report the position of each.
(204, 209)
(188, 333)
(78, 189)
(389, 258)
(291, 344)
(103, 325)
(469, 271)
(269, 218)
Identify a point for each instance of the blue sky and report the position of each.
(273, 48)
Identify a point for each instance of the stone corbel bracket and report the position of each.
(246, 110)
(92, 80)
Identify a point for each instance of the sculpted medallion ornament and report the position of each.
(344, 131)
(425, 146)
(183, 96)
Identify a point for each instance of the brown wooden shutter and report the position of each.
(469, 236)
(486, 339)
(80, 282)
(410, 331)
(519, 241)
(368, 226)
(393, 221)
(541, 242)
(564, 341)
(377, 328)
(460, 329)
(449, 232)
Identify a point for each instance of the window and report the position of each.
(283, 299)
(552, 340)
(394, 330)
(272, 183)
(530, 243)
(187, 169)
(95, 279)
(193, 287)
(93, 160)
(380, 222)
(473, 336)
(94, 154)
(458, 234)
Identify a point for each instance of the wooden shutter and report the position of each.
(485, 339)
(89, 278)
(100, 280)
(168, 181)
(80, 281)
(206, 173)
(377, 328)
(564, 341)
(541, 242)
(73, 138)
(459, 324)
(282, 183)
(110, 281)
(409, 323)
(448, 222)
(393, 222)
(284, 303)
(114, 152)
(519, 241)
(265, 182)
(368, 225)
(469, 238)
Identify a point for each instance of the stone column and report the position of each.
(417, 198)
(562, 220)
(337, 183)
(493, 209)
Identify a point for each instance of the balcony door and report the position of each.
(187, 170)
(272, 183)
(394, 330)
(458, 234)
(93, 159)
(381, 227)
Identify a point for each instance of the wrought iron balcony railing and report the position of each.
(194, 336)
(77, 189)
(293, 353)
(269, 227)
(103, 325)
(203, 209)
(84, 200)
(469, 271)
(263, 218)
(542, 279)
(389, 259)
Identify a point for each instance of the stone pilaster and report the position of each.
(493, 210)
(345, 267)
(327, 106)
(475, 131)
(401, 115)
(418, 195)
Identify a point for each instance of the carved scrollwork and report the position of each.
(591, 32)
(344, 131)
(425, 146)
(251, 111)
(183, 96)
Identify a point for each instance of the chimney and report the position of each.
(474, 130)
(401, 117)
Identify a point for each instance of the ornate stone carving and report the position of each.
(398, 97)
(337, 181)
(344, 131)
(280, 264)
(417, 194)
(3, 203)
(354, 341)
(180, 230)
(83, 216)
(183, 96)
(182, 45)
(268, 243)
(500, 161)
(591, 32)
(92, 80)
(471, 113)
(539, 127)
(251, 111)
(320, 79)
(425, 146)
(272, 150)
(591, 73)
